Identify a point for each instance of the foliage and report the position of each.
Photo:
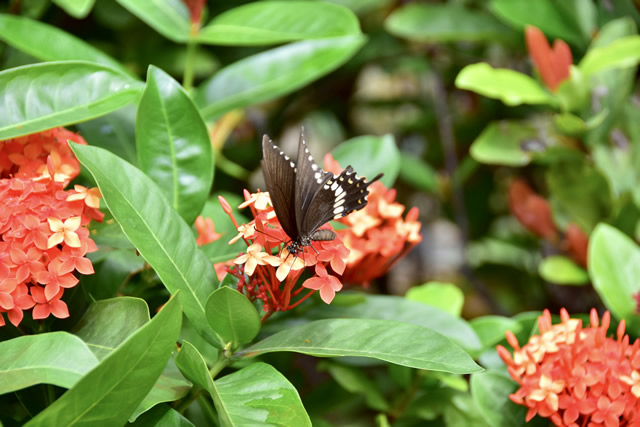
(144, 277)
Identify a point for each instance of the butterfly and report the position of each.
(305, 197)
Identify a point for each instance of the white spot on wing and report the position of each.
(317, 175)
(338, 210)
(339, 203)
(341, 196)
(339, 191)
(314, 167)
(293, 165)
(334, 186)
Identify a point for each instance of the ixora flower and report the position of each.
(377, 235)
(43, 227)
(26, 156)
(577, 376)
(553, 63)
(268, 272)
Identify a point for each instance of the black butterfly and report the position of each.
(305, 197)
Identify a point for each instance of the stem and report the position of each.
(185, 402)
(405, 399)
(231, 168)
(220, 364)
(295, 304)
(187, 79)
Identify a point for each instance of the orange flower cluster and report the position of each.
(534, 212)
(271, 278)
(577, 376)
(377, 235)
(43, 234)
(26, 156)
(553, 63)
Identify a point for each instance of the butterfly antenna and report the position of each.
(267, 234)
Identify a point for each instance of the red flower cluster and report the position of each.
(43, 234)
(553, 64)
(577, 376)
(534, 212)
(260, 272)
(377, 236)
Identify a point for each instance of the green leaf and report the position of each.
(115, 131)
(403, 310)
(548, 15)
(273, 73)
(232, 317)
(445, 23)
(370, 155)
(49, 43)
(260, 395)
(171, 386)
(42, 96)
(168, 17)
(355, 381)
(445, 296)
(109, 393)
(57, 358)
(418, 173)
(511, 87)
(173, 144)
(164, 416)
(271, 22)
(580, 191)
(622, 53)
(395, 342)
(562, 271)
(79, 9)
(490, 391)
(491, 329)
(156, 230)
(614, 267)
(502, 143)
(108, 323)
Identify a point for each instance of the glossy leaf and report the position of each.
(232, 317)
(445, 296)
(490, 391)
(169, 387)
(108, 323)
(194, 368)
(562, 271)
(491, 329)
(502, 143)
(42, 96)
(273, 73)
(156, 230)
(395, 342)
(554, 20)
(402, 310)
(614, 267)
(49, 43)
(57, 358)
(369, 156)
(162, 415)
(444, 23)
(173, 144)
(622, 53)
(109, 393)
(168, 17)
(77, 8)
(511, 87)
(260, 395)
(271, 22)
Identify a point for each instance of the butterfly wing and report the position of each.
(309, 181)
(338, 196)
(280, 176)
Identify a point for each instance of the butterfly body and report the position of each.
(305, 197)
